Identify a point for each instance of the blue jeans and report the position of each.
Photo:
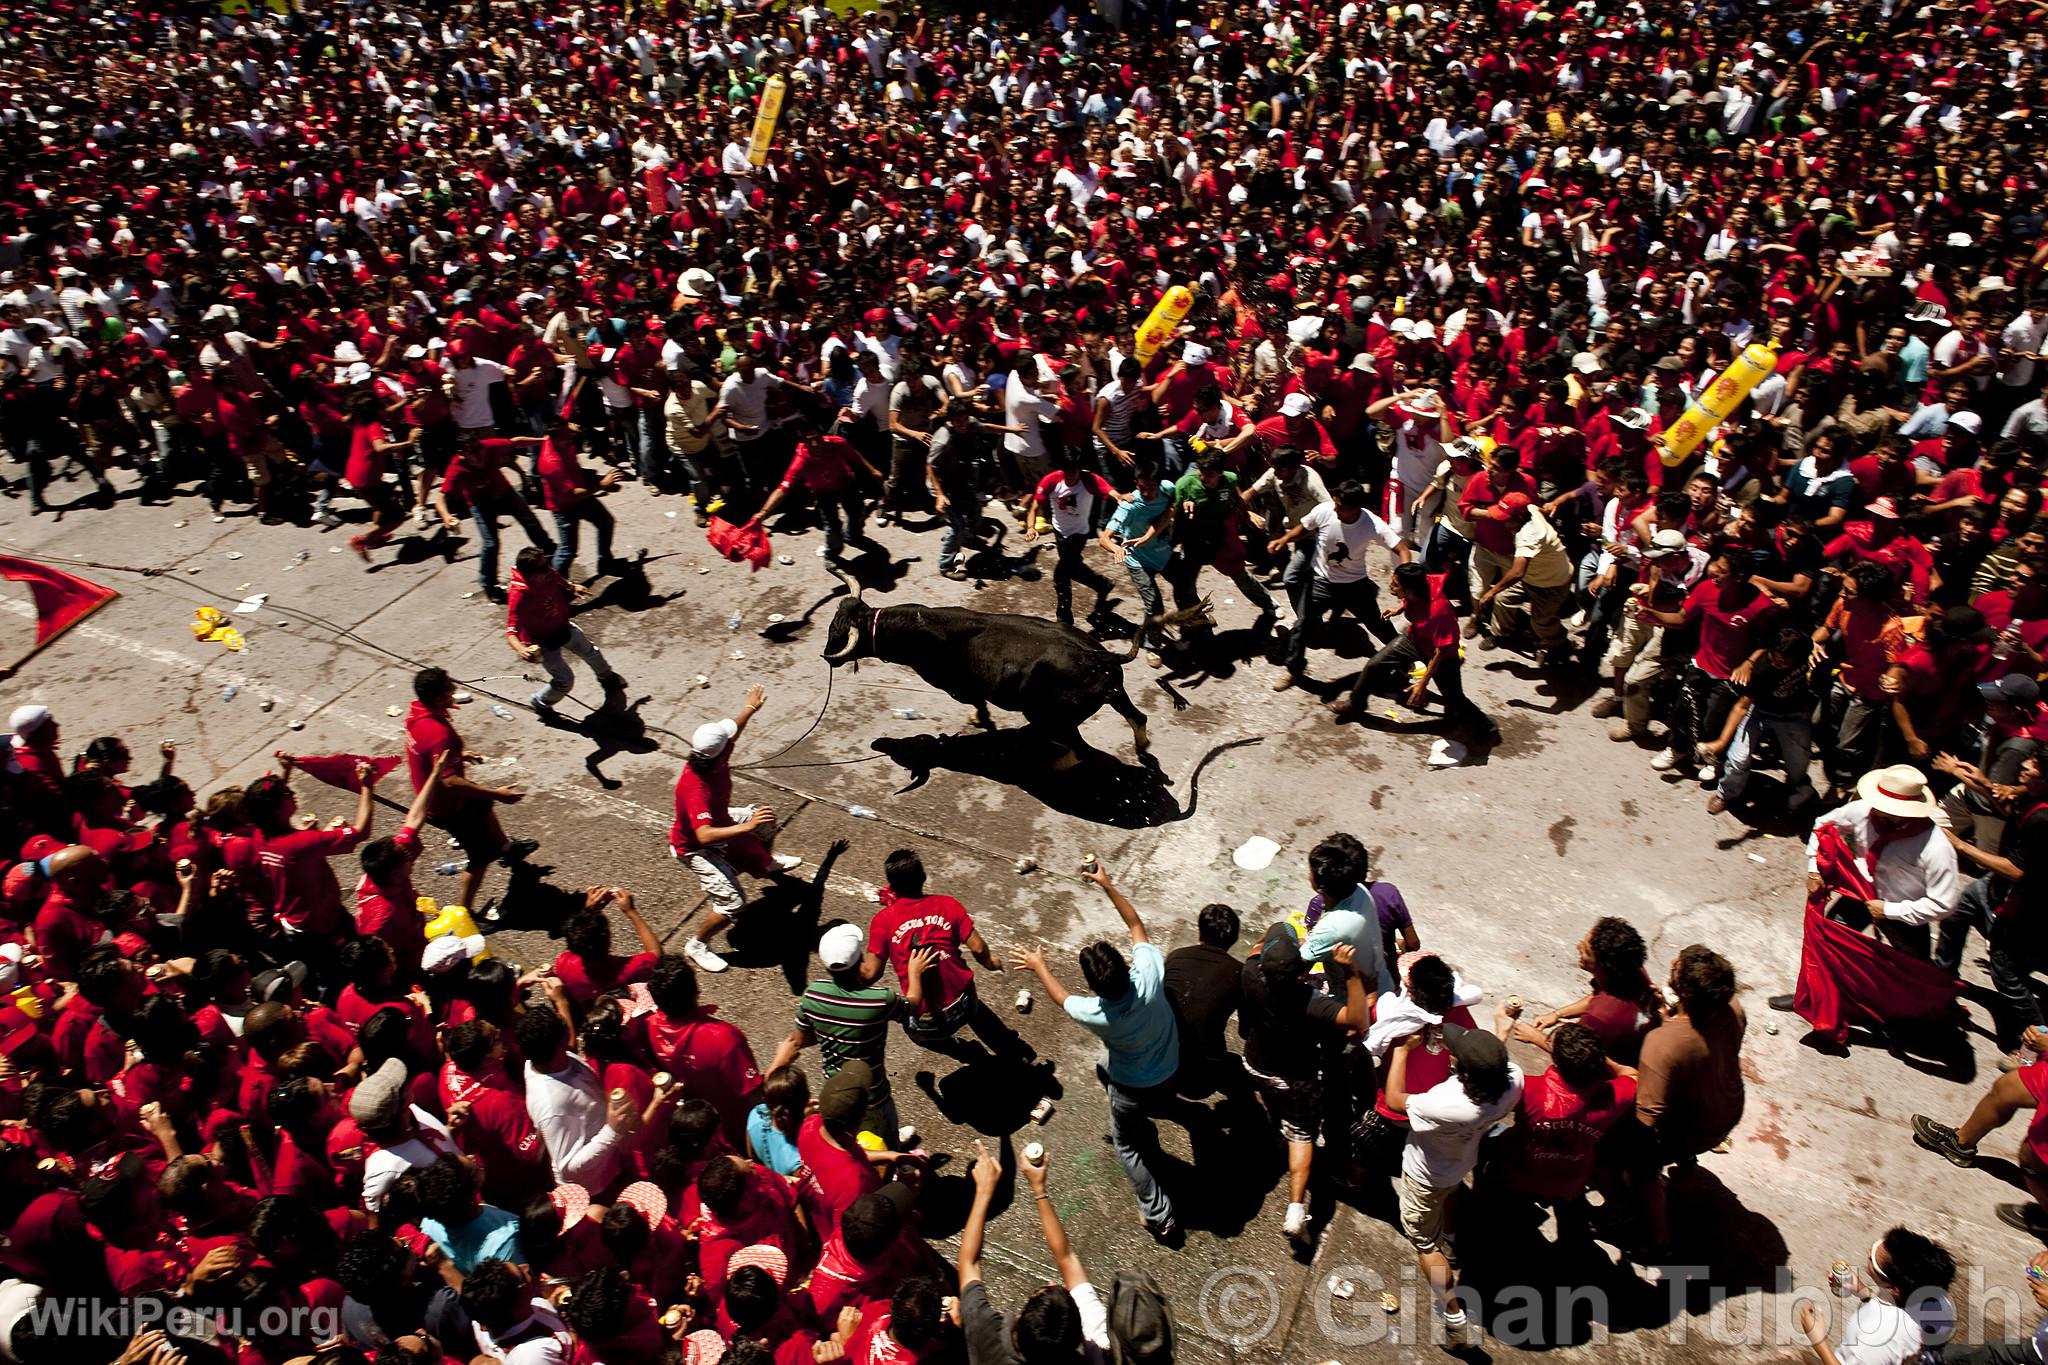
(960, 528)
(1444, 551)
(1132, 1133)
(485, 517)
(592, 511)
(843, 515)
(2017, 946)
(1146, 584)
(650, 443)
(1795, 746)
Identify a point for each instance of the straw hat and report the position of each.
(1899, 790)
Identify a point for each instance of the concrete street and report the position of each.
(1505, 864)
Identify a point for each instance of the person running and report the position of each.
(828, 467)
(912, 921)
(1340, 532)
(1071, 494)
(716, 842)
(1424, 653)
(539, 629)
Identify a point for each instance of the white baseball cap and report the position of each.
(449, 951)
(840, 947)
(1295, 405)
(709, 739)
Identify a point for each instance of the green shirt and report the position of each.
(1212, 505)
(850, 1026)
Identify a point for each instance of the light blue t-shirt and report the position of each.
(772, 1147)
(1913, 360)
(1135, 516)
(493, 1235)
(1138, 1029)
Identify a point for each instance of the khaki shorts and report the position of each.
(719, 878)
(1423, 1209)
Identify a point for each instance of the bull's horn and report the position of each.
(852, 644)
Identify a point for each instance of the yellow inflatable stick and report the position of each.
(1714, 402)
(1157, 329)
(765, 120)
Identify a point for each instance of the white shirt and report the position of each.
(1915, 875)
(2023, 333)
(1444, 1128)
(541, 1338)
(568, 1111)
(1072, 505)
(748, 403)
(1340, 546)
(1879, 1333)
(472, 401)
(430, 1141)
(1025, 407)
(1537, 541)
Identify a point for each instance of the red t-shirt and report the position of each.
(1439, 628)
(393, 914)
(428, 735)
(1427, 1069)
(366, 464)
(564, 482)
(712, 1060)
(702, 793)
(297, 884)
(583, 981)
(1730, 613)
(1550, 1150)
(842, 1176)
(940, 923)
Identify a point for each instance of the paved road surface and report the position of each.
(1505, 865)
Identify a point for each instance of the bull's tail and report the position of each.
(1195, 778)
(1198, 612)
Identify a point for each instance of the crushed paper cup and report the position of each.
(1447, 753)
(251, 604)
(1255, 854)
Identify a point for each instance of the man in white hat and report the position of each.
(717, 842)
(1891, 828)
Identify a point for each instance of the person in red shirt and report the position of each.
(1429, 641)
(463, 809)
(874, 1250)
(1493, 537)
(1864, 632)
(387, 904)
(64, 927)
(716, 842)
(909, 920)
(1549, 1154)
(587, 967)
(476, 479)
(1732, 614)
(829, 1143)
(294, 882)
(571, 492)
(825, 466)
(538, 628)
(743, 1206)
(709, 1057)
(369, 445)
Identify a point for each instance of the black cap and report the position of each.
(1279, 952)
(1475, 1048)
(2014, 689)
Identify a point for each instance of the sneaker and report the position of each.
(1666, 761)
(824, 552)
(1296, 1221)
(1940, 1138)
(546, 712)
(2028, 1218)
(1286, 680)
(495, 594)
(788, 862)
(518, 851)
(1627, 734)
(956, 573)
(218, 518)
(327, 521)
(1607, 707)
(1453, 1321)
(701, 957)
(1708, 772)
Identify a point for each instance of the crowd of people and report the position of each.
(1459, 273)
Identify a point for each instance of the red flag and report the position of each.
(739, 542)
(62, 601)
(339, 770)
(1848, 977)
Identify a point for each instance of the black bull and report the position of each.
(1055, 676)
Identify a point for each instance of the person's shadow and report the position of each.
(614, 728)
(1098, 787)
(629, 590)
(781, 927)
(989, 1092)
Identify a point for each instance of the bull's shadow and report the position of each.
(1097, 787)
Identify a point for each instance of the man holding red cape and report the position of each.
(1878, 863)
